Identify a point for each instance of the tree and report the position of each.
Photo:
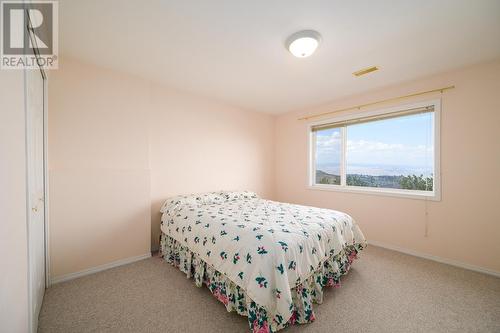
(414, 182)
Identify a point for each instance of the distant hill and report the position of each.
(326, 178)
(410, 182)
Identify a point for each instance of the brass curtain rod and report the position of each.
(377, 102)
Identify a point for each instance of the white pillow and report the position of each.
(238, 195)
(174, 203)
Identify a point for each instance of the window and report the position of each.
(392, 152)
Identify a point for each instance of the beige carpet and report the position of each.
(384, 292)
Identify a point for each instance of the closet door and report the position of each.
(36, 189)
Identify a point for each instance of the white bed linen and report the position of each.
(263, 246)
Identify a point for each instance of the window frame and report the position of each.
(435, 195)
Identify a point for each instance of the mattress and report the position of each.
(266, 248)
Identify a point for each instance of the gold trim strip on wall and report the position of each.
(377, 102)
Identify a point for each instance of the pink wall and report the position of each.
(197, 145)
(119, 145)
(99, 190)
(465, 225)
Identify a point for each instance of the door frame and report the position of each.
(46, 176)
(28, 137)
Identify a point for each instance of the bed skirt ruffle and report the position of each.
(235, 299)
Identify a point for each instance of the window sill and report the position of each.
(409, 194)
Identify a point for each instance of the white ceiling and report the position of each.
(233, 50)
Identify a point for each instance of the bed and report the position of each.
(263, 259)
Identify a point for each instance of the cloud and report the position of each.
(363, 151)
(377, 146)
(328, 148)
(365, 146)
(372, 152)
(327, 141)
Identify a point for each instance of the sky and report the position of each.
(395, 146)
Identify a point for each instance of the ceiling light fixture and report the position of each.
(303, 43)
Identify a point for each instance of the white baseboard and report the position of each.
(125, 261)
(96, 269)
(435, 258)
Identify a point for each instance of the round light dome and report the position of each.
(303, 43)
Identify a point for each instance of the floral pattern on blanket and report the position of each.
(235, 298)
(266, 248)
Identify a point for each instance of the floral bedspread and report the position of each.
(265, 247)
